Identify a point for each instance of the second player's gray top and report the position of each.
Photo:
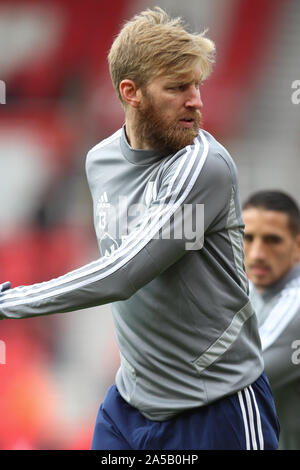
(278, 312)
(184, 323)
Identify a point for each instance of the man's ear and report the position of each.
(130, 93)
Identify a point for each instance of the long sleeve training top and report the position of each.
(170, 234)
(278, 313)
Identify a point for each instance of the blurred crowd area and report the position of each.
(59, 103)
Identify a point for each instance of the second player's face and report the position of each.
(169, 116)
(271, 250)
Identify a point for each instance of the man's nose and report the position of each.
(193, 98)
(256, 251)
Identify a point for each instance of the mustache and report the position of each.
(192, 115)
(258, 265)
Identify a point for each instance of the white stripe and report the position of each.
(101, 264)
(259, 427)
(251, 418)
(236, 242)
(223, 343)
(281, 315)
(245, 420)
(107, 141)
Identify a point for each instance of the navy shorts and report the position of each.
(246, 420)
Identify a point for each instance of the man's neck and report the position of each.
(132, 139)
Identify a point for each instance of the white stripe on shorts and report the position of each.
(251, 418)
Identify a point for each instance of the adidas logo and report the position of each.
(103, 202)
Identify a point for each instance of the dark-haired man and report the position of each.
(272, 254)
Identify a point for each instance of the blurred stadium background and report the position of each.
(60, 103)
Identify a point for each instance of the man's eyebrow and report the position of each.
(263, 235)
(273, 235)
(182, 81)
(176, 81)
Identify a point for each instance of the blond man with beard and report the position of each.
(191, 373)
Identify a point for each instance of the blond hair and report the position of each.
(152, 44)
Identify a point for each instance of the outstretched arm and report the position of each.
(145, 253)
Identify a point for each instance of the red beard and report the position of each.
(165, 137)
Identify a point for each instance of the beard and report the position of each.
(166, 136)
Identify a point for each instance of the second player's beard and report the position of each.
(167, 137)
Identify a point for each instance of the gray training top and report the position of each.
(278, 313)
(185, 327)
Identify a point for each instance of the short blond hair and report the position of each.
(152, 44)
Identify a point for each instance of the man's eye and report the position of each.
(248, 238)
(177, 88)
(273, 239)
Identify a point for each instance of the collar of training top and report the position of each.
(138, 157)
